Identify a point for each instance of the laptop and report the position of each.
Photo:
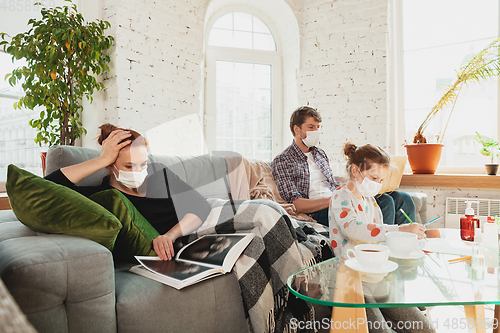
(396, 170)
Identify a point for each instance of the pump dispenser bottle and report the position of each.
(468, 223)
(490, 243)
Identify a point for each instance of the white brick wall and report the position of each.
(343, 71)
(156, 70)
(157, 65)
(156, 74)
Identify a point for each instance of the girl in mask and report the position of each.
(170, 205)
(355, 218)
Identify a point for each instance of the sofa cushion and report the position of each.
(59, 157)
(136, 235)
(62, 283)
(48, 207)
(144, 305)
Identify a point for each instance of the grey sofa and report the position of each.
(70, 284)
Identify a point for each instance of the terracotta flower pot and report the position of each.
(491, 169)
(424, 157)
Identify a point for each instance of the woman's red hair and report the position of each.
(107, 128)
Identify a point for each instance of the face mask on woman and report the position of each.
(131, 179)
(368, 187)
(312, 138)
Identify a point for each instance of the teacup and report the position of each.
(403, 243)
(370, 256)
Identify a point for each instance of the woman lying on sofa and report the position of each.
(170, 205)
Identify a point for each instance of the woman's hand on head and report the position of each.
(111, 146)
(164, 246)
(414, 228)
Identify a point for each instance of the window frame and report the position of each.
(14, 132)
(396, 91)
(273, 58)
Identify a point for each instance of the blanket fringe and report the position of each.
(309, 262)
(277, 313)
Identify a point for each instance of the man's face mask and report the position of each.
(312, 138)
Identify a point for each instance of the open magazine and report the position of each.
(204, 258)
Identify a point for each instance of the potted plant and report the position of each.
(63, 54)
(424, 157)
(489, 149)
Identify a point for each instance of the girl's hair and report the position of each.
(365, 156)
(107, 128)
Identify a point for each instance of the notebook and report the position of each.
(396, 170)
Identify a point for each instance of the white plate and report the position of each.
(388, 267)
(414, 255)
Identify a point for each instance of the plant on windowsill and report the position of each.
(490, 148)
(64, 55)
(424, 157)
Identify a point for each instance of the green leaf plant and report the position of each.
(489, 147)
(64, 55)
(481, 67)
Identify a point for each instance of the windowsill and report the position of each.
(4, 201)
(451, 180)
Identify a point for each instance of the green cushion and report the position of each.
(48, 207)
(137, 234)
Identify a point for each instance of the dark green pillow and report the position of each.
(137, 234)
(48, 207)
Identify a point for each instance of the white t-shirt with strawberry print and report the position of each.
(354, 221)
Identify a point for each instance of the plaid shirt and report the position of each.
(291, 172)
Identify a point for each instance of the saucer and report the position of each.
(389, 266)
(413, 255)
(372, 278)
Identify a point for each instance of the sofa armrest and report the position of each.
(60, 280)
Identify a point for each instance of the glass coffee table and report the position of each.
(427, 281)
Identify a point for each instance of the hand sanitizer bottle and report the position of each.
(490, 242)
(468, 223)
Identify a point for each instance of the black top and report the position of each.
(168, 199)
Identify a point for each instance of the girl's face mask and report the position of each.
(368, 187)
(131, 179)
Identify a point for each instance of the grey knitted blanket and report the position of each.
(282, 246)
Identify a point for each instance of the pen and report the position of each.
(460, 259)
(437, 218)
(402, 211)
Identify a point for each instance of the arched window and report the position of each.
(243, 87)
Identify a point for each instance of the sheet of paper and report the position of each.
(449, 246)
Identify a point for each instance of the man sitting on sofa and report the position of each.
(304, 177)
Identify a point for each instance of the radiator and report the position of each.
(455, 209)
